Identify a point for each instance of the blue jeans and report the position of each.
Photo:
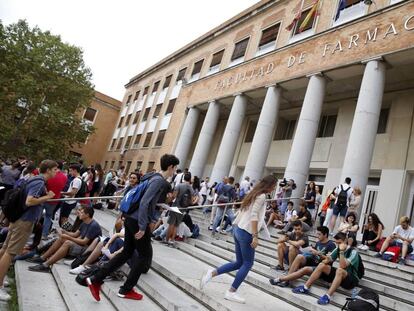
(244, 257)
(219, 216)
(283, 207)
(47, 223)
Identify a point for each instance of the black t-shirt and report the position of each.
(309, 196)
(166, 188)
(308, 216)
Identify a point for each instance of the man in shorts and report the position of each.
(346, 275)
(20, 230)
(69, 243)
(74, 186)
(343, 195)
(306, 263)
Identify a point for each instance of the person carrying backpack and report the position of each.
(343, 194)
(347, 275)
(139, 222)
(77, 188)
(183, 194)
(226, 194)
(27, 201)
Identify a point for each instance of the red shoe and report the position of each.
(94, 288)
(180, 239)
(132, 294)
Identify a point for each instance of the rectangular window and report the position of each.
(129, 99)
(157, 111)
(250, 132)
(113, 144)
(352, 2)
(136, 95)
(302, 18)
(136, 118)
(170, 107)
(269, 36)
(128, 119)
(128, 167)
(112, 164)
(105, 165)
(350, 11)
(89, 114)
(240, 49)
(121, 121)
(160, 138)
(120, 164)
(156, 85)
(181, 74)
(197, 67)
(327, 126)
(139, 165)
(150, 166)
(147, 140)
(285, 129)
(383, 121)
(137, 140)
(128, 142)
(216, 60)
(118, 147)
(167, 82)
(146, 90)
(146, 113)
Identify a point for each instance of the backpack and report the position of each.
(14, 203)
(342, 198)
(82, 190)
(366, 300)
(361, 269)
(242, 193)
(224, 197)
(130, 202)
(392, 253)
(186, 198)
(196, 231)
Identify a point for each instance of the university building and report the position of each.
(309, 90)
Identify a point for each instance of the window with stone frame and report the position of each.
(136, 118)
(89, 114)
(181, 74)
(250, 131)
(129, 99)
(269, 36)
(157, 111)
(139, 165)
(113, 144)
(120, 122)
(171, 105)
(146, 91)
(128, 119)
(151, 166)
(137, 140)
(302, 18)
(216, 60)
(128, 167)
(112, 164)
(147, 140)
(118, 147)
(327, 126)
(160, 138)
(146, 113)
(197, 67)
(136, 95)
(167, 82)
(128, 142)
(156, 85)
(240, 49)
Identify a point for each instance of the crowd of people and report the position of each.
(157, 206)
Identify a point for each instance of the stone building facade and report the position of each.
(254, 96)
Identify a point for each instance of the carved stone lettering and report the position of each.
(391, 30)
(371, 36)
(353, 41)
(407, 24)
(338, 47)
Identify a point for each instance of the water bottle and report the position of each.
(354, 293)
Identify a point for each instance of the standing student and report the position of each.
(74, 186)
(249, 221)
(343, 195)
(138, 228)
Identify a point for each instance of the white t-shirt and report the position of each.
(348, 193)
(178, 179)
(245, 185)
(289, 214)
(76, 183)
(204, 188)
(406, 234)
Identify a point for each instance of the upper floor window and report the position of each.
(89, 114)
(147, 140)
(167, 82)
(128, 119)
(268, 40)
(160, 138)
(383, 121)
(181, 74)
(156, 85)
(113, 144)
(157, 111)
(136, 95)
(196, 70)
(129, 99)
(120, 121)
(128, 142)
(304, 21)
(146, 113)
(146, 91)
(137, 140)
(170, 107)
(239, 52)
(285, 129)
(215, 62)
(327, 126)
(119, 143)
(348, 10)
(136, 118)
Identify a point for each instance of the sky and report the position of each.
(122, 38)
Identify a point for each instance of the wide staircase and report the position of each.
(173, 281)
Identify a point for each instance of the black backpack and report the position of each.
(342, 198)
(14, 203)
(186, 197)
(82, 190)
(366, 300)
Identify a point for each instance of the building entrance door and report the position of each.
(368, 207)
(410, 207)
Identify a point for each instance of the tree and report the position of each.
(44, 88)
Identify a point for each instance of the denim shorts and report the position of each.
(340, 211)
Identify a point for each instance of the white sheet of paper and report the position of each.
(264, 233)
(170, 208)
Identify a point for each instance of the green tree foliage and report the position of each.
(44, 88)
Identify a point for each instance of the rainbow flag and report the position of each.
(312, 13)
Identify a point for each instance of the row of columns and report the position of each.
(360, 145)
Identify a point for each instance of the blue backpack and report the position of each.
(130, 202)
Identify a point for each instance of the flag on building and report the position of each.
(298, 13)
(341, 6)
(311, 16)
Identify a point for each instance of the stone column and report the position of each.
(263, 135)
(358, 156)
(186, 136)
(231, 135)
(205, 139)
(305, 136)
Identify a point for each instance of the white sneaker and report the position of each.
(364, 247)
(232, 296)
(77, 270)
(4, 296)
(68, 262)
(6, 282)
(206, 278)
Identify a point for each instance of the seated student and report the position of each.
(70, 243)
(403, 237)
(273, 215)
(346, 275)
(289, 213)
(304, 216)
(372, 233)
(349, 226)
(288, 247)
(306, 263)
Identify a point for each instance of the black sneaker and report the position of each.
(40, 268)
(274, 282)
(279, 268)
(36, 259)
(283, 284)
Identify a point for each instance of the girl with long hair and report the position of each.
(249, 221)
(372, 233)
